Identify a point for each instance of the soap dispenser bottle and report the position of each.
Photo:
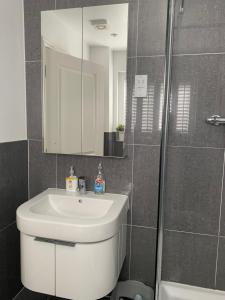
(99, 184)
(72, 181)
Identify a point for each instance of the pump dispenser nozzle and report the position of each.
(71, 171)
(100, 168)
(99, 184)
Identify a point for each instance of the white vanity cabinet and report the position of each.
(72, 245)
(80, 271)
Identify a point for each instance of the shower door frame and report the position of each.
(164, 140)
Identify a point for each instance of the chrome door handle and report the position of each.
(53, 241)
(215, 120)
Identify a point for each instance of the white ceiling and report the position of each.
(117, 19)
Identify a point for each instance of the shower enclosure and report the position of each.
(191, 223)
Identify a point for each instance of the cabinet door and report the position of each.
(87, 271)
(37, 265)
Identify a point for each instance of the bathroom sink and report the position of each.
(67, 216)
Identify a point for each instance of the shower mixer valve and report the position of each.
(215, 120)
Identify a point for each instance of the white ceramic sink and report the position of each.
(68, 216)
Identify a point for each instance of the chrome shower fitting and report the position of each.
(215, 120)
(181, 11)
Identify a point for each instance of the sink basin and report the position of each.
(68, 216)
(72, 207)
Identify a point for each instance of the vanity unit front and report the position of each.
(72, 245)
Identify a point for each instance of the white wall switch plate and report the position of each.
(141, 85)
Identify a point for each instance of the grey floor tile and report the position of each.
(13, 179)
(32, 25)
(34, 105)
(201, 28)
(189, 258)
(143, 255)
(193, 189)
(197, 92)
(9, 263)
(57, 298)
(29, 295)
(146, 178)
(220, 278)
(42, 169)
(151, 27)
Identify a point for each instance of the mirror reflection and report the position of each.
(84, 54)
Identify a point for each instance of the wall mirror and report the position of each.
(84, 53)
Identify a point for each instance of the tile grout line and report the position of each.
(145, 227)
(28, 168)
(196, 147)
(219, 226)
(33, 61)
(199, 54)
(35, 140)
(143, 145)
(190, 232)
(7, 226)
(177, 55)
(177, 146)
(14, 298)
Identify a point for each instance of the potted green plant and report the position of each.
(120, 132)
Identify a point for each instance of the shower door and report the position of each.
(193, 197)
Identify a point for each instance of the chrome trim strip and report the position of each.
(164, 139)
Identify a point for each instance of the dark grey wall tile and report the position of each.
(32, 25)
(147, 111)
(220, 278)
(146, 177)
(201, 28)
(143, 255)
(34, 105)
(152, 27)
(193, 189)
(198, 91)
(117, 172)
(9, 263)
(189, 258)
(29, 295)
(13, 179)
(42, 169)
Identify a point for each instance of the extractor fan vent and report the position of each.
(99, 24)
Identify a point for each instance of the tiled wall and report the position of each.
(138, 172)
(194, 245)
(13, 192)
